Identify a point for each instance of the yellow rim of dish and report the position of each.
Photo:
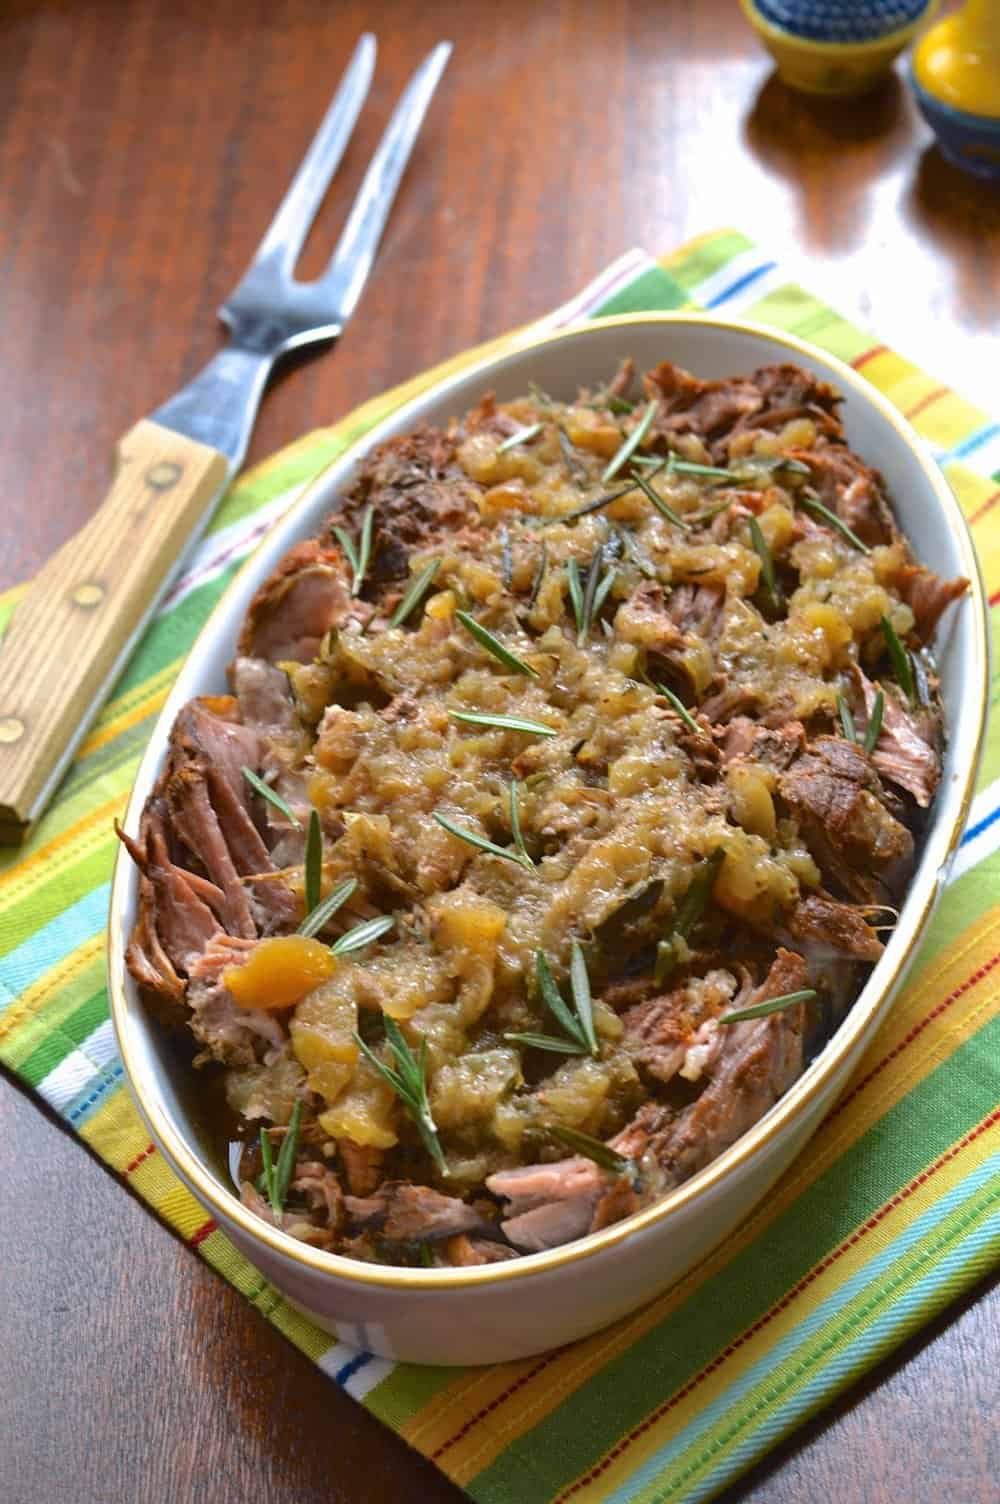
(780, 37)
(226, 1205)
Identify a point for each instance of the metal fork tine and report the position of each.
(351, 262)
(287, 232)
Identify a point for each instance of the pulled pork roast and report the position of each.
(605, 746)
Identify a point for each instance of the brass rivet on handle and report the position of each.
(11, 728)
(88, 595)
(163, 476)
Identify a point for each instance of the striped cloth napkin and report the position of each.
(892, 1211)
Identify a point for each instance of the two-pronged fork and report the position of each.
(79, 619)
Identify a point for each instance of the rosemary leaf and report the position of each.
(813, 504)
(601, 594)
(363, 934)
(359, 557)
(875, 723)
(482, 843)
(507, 561)
(523, 436)
(548, 1042)
(515, 825)
(592, 1148)
(763, 552)
(266, 792)
(618, 405)
(409, 1081)
(772, 1005)
(661, 506)
(679, 706)
(579, 981)
(313, 863)
(692, 905)
(632, 443)
(542, 399)
(503, 722)
(415, 593)
(600, 501)
(846, 719)
(575, 594)
(285, 1165)
(325, 910)
(267, 1160)
(677, 466)
(570, 458)
(586, 620)
(493, 645)
(902, 665)
(553, 1000)
(536, 584)
(769, 463)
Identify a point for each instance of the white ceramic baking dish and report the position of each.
(505, 1311)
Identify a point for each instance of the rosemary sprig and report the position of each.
(313, 863)
(769, 463)
(846, 719)
(875, 723)
(901, 662)
(763, 552)
(506, 559)
(325, 910)
(266, 792)
(677, 466)
(592, 1148)
(570, 458)
(678, 706)
(362, 935)
(595, 593)
(472, 839)
(689, 911)
(415, 593)
(503, 722)
(278, 1177)
(578, 1024)
(408, 1079)
(661, 506)
(812, 503)
(523, 436)
(631, 444)
(575, 594)
(771, 1005)
(515, 825)
(542, 399)
(601, 501)
(579, 982)
(543, 564)
(358, 557)
(493, 645)
(548, 1042)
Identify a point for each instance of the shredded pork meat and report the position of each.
(601, 766)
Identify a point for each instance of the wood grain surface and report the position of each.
(143, 147)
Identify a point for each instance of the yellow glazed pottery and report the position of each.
(956, 78)
(830, 49)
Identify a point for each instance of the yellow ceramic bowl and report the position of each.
(832, 68)
(499, 1312)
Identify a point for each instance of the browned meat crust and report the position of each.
(308, 594)
(823, 927)
(835, 793)
(928, 596)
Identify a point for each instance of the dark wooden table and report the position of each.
(142, 149)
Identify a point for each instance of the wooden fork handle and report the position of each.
(73, 629)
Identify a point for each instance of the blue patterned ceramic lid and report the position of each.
(841, 20)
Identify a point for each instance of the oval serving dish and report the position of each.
(501, 1312)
